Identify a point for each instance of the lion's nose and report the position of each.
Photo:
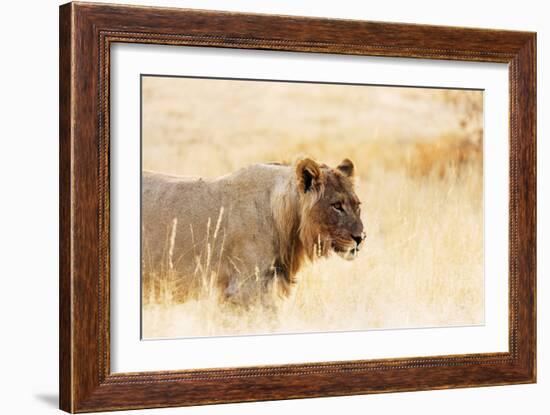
(358, 239)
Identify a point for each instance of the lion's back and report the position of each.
(185, 220)
(173, 210)
(162, 193)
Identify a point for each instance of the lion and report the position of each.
(248, 233)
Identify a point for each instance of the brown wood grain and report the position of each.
(65, 137)
(86, 33)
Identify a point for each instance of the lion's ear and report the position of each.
(346, 167)
(308, 174)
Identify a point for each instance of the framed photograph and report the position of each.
(258, 207)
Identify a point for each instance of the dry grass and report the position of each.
(419, 156)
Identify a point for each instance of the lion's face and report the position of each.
(331, 218)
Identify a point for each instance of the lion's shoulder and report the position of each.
(255, 178)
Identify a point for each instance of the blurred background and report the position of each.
(418, 154)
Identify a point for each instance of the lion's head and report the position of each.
(330, 209)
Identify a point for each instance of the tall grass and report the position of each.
(419, 158)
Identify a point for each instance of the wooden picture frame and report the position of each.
(86, 33)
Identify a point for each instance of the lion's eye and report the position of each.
(338, 206)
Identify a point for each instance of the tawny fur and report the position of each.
(250, 232)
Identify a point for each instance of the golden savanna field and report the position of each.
(418, 155)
